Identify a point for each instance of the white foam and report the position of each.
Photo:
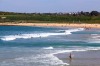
(77, 50)
(93, 48)
(48, 48)
(48, 59)
(27, 36)
(94, 38)
(38, 35)
(68, 51)
(94, 34)
(74, 30)
(8, 39)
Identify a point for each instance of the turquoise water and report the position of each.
(36, 46)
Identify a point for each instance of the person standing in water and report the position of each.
(70, 56)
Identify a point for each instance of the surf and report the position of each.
(48, 48)
(39, 35)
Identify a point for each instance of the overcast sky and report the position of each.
(49, 5)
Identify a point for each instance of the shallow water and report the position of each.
(37, 46)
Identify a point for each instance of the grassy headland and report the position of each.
(79, 17)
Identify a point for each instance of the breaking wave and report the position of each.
(78, 50)
(48, 48)
(94, 38)
(38, 35)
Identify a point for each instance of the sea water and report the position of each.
(37, 46)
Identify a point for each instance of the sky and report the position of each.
(49, 6)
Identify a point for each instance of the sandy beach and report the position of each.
(52, 25)
(87, 58)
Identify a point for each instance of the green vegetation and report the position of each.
(79, 17)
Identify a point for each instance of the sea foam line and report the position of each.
(38, 35)
(48, 48)
(48, 59)
(94, 38)
(77, 50)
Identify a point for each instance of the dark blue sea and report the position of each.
(36, 46)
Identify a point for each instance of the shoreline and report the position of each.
(84, 58)
(52, 25)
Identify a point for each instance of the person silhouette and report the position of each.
(70, 56)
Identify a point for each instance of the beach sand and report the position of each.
(53, 25)
(85, 58)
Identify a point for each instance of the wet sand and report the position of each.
(52, 25)
(85, 58)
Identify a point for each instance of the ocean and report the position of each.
(38, 46)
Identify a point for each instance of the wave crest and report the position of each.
(48, 48)
(38, 35)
